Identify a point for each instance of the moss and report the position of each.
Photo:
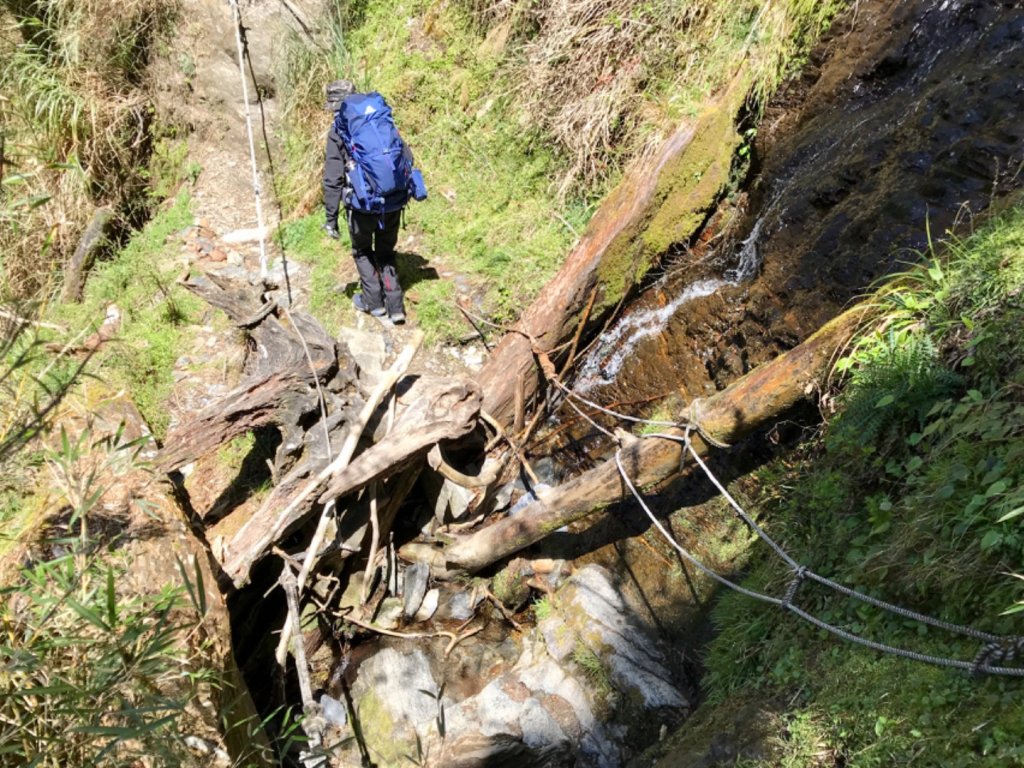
(736, 727)
(509, 586)
(380, 731)
(689, 185)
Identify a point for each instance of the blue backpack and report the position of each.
(381, 176)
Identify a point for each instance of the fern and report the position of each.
(895, 381)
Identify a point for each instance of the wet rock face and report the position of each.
(911, 116)
(587, 687)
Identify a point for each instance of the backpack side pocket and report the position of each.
(417, 187)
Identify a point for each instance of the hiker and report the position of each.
(369, 170)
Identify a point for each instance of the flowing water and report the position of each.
(909, 117)
(615, 347)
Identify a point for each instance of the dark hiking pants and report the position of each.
(373, 249)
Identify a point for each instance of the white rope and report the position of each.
(256, 187)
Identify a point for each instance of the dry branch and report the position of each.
(445, 411)
(268, 525)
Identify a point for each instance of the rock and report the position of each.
(390, 613)
(588, 688)
(528, 498)
(250, 235)
(416, 576)
(367, 349)
(459, 606)
(589, 610)
(334, 711)
(429, 605)
(450, 500)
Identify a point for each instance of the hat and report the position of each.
(336, 93)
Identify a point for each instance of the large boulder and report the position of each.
(587, 687)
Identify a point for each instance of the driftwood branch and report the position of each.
(292, 358)
(243, 551)
(488, 473)
(749, 403)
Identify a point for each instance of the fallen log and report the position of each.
(749, 403)
(659, 203)
(94, 239)
(439, 410)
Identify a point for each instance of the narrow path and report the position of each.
(226, 239)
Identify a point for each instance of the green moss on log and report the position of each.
(688, 187)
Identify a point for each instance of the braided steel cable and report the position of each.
(682, 550)
(801, 572)
(807, 573)
(976, 666)
(685, 440)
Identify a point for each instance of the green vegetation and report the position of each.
(155, 313)
(522, 117)
(94, 673)
(71, 75)
(93, 677)
(914, 494)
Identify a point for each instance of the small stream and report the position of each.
(909, 116)
(615, 347)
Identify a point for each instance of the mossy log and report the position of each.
(661, 202)
(89, 246)
(750, 403)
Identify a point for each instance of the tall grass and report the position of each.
(75, 121)
(94, 674)
(607, 79)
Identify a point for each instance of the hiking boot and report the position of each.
(360, 304)
(398, 318)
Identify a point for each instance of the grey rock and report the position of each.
(429, 605)
(334, 711)
(415, 588)
(389, 613)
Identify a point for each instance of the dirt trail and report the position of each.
(203, 90)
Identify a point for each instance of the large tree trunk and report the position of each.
(661, 202)
(749, 403)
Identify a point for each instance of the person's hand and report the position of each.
(331, 230)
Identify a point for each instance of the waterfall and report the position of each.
(603, 364)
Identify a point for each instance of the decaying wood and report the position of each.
(280, 389)
(384, 386)
(749, 403)
(489, 473)
(658, 203)
(441, 411)
(268, 524)
(92, 241)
